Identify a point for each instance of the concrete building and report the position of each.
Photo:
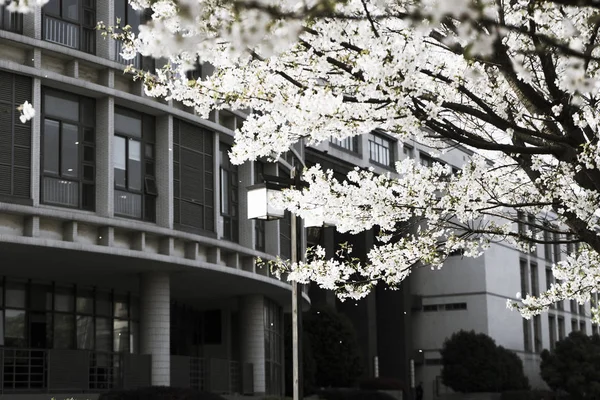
(395, 327)
(127, 257)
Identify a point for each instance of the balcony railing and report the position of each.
(212, 374)
(10, 21)
(69, 34)
(61, 192)
(139, 62)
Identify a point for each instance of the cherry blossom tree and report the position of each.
(515, 80)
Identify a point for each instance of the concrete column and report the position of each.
(155, 307)
(105, 187)
(105, 12)
(245, 174)
(164, 171)
(252, 335)
(36, 141)
(32, 23)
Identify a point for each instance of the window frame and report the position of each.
(84, 29)
(82, 128)
(147, 178)
(390, 149)
(231, 215)
(350, 144)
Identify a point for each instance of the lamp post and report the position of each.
(259, 208)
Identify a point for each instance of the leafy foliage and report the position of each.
(472, 362)
(334, 347)
(574, 366)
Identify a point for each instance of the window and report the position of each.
(381, 150)
(537, 333)
(552, 330)
(229, 195)
(594, 329)
(259, 225)
(408, 151)
(273, 345)
(348, 143)
(570, 246)
(556, 247)
(285, 226)
(582, 327)
(561, 328)
(212, 327)
(426, 160)
(68, 150)
(15, 138)
(133, 163)
(193, 178)
(547, 244)
(535, 287)
(430, 307)
(574, 325)
(524, 280)
(573, 304)
(549, 281)
(126, 15)
(527, 335)
(11, 21)
(71, 23)
(581, 309)
(445, 307)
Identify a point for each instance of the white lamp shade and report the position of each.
(258, 203)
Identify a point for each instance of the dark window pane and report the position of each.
(51, 140)
(225, 191)
(120, 161)
(128, 123)
(85, 301)
(121, 336)
(52, 7)
(70, 9)
(121, 307)
(212, 327)
(15, 295)
(133, 19)
(88, 172)
(69, 151)
(40, 297)
(85, 332)
(149, 151)
(88, 135)
(134, 337)
(103, 334)
(59, 106)
(63, 299)
(134, 170)
(14, 328)
(121, 11)
(88, 197)
(103, 303)
(89, 154)
(64, 330)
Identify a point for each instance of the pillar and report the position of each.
(252, 346)
(155, 325)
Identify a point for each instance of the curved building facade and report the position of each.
(127, 257)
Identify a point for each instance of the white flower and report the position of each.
(27, 112)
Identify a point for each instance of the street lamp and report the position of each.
(259, 208)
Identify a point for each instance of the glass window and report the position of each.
(120, 161)
(85, 301)
(229, 195)
(103, 303)
(121, 336)
(64, 331)
(61, 105)
(14, 323)
(85, 332)
(70, 9)
(63, 299)
(51, 143)
(134, 170)
(15, 295)
(40, 297)
(134, 337)
(212, 327)
(128, 123)
(104, 330)
(380, 150)
(121, 307)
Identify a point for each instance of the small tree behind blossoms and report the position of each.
(574, 366)
(472, 362)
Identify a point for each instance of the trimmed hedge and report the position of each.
(159, 393)
(353, 394)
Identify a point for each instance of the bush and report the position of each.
(334, 347)
(353, 394)
(308, 362)
(381, 383)
(528, 395)
(159, 393)
(574, 366)
(474, 363)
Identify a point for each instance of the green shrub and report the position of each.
(381, 383)
(353, 394)
(574, 366)
(472, 362)
(159, 393)
(334, 347)
(308, 362)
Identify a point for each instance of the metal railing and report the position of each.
(215, 375)
(23, 369)
(138, 62)
(10, 21)
(69, 34)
